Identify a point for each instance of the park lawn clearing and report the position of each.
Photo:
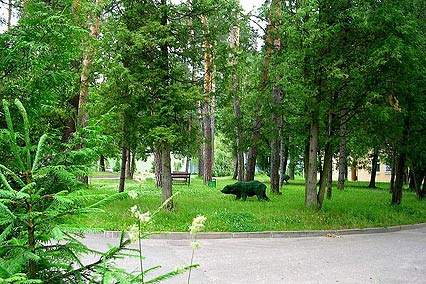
(355, 207)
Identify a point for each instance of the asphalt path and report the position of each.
(388, 258)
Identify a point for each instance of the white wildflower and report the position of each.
(195, 245)
(134, 210)
(133, 233)
(197, 225)
(144, 217)
(132, 194)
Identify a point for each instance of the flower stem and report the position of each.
(140, 252)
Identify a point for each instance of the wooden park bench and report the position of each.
(181, 178)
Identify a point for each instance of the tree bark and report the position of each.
(374, 161)
(276, 141)
(123, 167)
(102, 163)
(158, 167)
(330, 179)
(234, 42)
(128, 164)
(311, 197)
(342, 157)
(166, 176)
(399, 179)
(252, 152)
(284, 158)
(400, 165)
(208, 137)
(328, 156)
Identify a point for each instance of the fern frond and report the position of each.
(4, 212)
(40, 148)
(116, 196)
(26, 131)
(12, 136)
(171, 274)
(5, 183)
(6, 232)
(28, 187)
(15, 177)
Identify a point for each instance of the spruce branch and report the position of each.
(26, 132)
(38, 154)
(12, 136)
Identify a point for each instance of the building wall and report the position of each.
(383, 174)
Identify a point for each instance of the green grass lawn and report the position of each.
(354, 207)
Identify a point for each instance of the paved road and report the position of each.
(388, 258)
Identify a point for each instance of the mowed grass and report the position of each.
(354, 207)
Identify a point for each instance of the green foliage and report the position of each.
(35, 199)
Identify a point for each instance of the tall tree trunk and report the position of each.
(102, 163)
(330, 179)
(284, 158)
(128, 163)
(234, 42)
(9, 15)
(418, 177)
(235, 168)
(311, 197)
(158, 167)
(253, 149)
(399, 179)
(208, 141)
(132, 165)
(166, 177)
(123, 167)
(400, 165)
(342, 156)
(123, 154)
(276, 141)
(328, 157)
(393, 171)
(354, 170)
(374, 161)
(87, 62)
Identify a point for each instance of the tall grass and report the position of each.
(355, 207)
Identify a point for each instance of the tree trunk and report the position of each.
(166, 176)
(284, 158)
(128, 164)
(374, 168)
(330, 180)
(9, 15)
(276, 141)
(102, 163)
(393, 170)
(399, 179)
(234, 42)
(418, 177)
(235, 168)
(311, 197)
(208, 141)
(328, 157)
(354, 170)
(252, 152)
(123, 167)
(342, 157)
(133, 165)
(201, 147)
(158, 167)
